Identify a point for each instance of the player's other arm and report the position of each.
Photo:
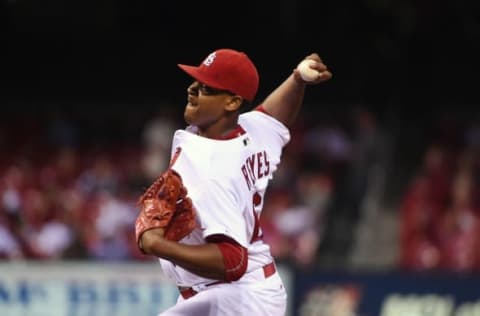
(285, 101)
(221, 258)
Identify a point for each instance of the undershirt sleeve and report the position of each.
(235, 257)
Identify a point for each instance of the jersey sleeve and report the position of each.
(260, 123)
(220, 213)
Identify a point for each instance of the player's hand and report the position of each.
(320, 66)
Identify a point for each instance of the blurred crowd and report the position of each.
(440, 210)
(65, 195)
(68, 193)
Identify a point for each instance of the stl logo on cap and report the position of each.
(229, 70)
(209, 60)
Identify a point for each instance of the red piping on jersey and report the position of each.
(175, 156)
(260, 108)
(237, 131)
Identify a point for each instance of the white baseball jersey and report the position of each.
(227, 180)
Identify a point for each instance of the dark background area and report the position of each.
(382, 53)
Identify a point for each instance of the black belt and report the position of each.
(187, 292)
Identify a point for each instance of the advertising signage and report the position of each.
(386, 294)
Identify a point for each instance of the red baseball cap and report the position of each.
(227, 69)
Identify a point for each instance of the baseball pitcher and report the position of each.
(201, 216)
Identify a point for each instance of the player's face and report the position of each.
(205, 105)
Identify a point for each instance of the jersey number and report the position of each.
(257, 233)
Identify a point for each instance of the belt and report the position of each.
(187, 292)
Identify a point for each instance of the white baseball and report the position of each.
(307, 73)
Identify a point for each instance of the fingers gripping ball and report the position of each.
(306, 72)
(159, 203)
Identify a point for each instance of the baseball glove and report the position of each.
(165, 205)
(183, 221)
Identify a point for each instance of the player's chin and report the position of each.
(189, 116)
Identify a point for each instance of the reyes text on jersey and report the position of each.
(255, 167)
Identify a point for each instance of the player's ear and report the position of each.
(234, 103)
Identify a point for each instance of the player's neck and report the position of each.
(219, 129)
